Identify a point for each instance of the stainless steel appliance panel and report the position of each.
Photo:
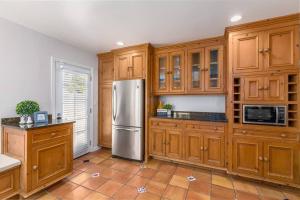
(128, 142)
(128, 103)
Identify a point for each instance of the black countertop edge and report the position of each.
(14, 123)
(196, 116)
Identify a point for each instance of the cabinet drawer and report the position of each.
(205, 127)
(267, 134)
(165, 124)
(49, 134)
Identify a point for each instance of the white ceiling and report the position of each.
(97, 25)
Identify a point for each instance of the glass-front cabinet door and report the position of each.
(177, 71)
(161, 73)
(195, 70)
(214, 69)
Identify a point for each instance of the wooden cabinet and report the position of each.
(169, 73)
(199, 143)
(195, 70)
(214, 69)
(247, 156)
(267, 50)
(272, 159)
(46, 154)
(130, 65)
(158, 141)
(106, 76)
(105, 121)
(173, 143)
(50, 162)
(9, 182)
(280, 47)
(268, 88)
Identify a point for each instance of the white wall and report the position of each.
(25, 67)
(196, 103)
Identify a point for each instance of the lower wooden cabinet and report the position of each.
(199, 143)
(46, 154)
(9, 182)
(271, 159)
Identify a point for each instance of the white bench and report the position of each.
(9, 176)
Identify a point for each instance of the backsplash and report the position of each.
(196, 103)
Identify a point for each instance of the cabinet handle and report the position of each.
(34, 167)
(260, 50)
(260, 88)
(266, 159)
(260, 158)
(205, 148)
(201, 148)
(267, 50)
(216, 128)
(244, 132)
(266, 88)
(283, 135)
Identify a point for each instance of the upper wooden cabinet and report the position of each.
(267, 50)
(131, 63)
(106, 68)
(268, 88)
(169, 72)
(195, 70)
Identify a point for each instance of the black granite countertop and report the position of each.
(14, 123)
(197, 116)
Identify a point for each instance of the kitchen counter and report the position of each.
(197, 116)
(14, 123)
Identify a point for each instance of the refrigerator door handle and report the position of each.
(126, 129)
(114, 103)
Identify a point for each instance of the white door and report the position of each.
(73, 102)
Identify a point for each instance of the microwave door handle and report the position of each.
(277, 115)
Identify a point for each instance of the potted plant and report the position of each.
(169, 108)
(25, 109)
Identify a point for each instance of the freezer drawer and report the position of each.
(128, 142)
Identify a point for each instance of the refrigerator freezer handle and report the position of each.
(114, 102)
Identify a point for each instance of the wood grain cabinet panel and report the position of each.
(193, 146)
(157, 141)
(106, 70)
(247, 156)
(10, 182)
(177, 72)
(137, 65)
(253, 88)
(274, 88)
(213, 150)
(174, 143)
(280, 161)
(161, 74)
(247, 52)
(122, 64)
(195, 70)
(280, 47)
(105, 134)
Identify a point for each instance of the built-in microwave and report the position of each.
(264, 114)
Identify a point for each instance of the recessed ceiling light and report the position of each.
(236, 18)
(120, 43)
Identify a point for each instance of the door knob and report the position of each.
(34, 167)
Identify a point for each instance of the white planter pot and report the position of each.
(29, 120)
(22, 120)
(169, 112)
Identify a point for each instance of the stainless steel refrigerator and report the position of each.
(128, 119)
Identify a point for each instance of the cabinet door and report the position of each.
(157, 141)
(195, 70)
(274, 88)
(253, 88)
(247, 54)
(122, 67)
(137, 65)
(161, 78)
(193, 146)
(279, 161)
(177, 71)
(280, 47)
(107, 70)
(214, 150)
(214, 69)
(247, 156)
(174, 143)
(50, 162)
(105, 116)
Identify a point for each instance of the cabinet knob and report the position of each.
(260, 88)
(267, 50)
(266, 159)
(34, 167)
(266, 88)
(205, 148)
(244, 132)
(216, 128)
(201, 148)
(260, 158)
(283, 135)
(53, 134)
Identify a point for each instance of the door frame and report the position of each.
(92, 145)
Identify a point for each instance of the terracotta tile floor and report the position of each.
(120, 179)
